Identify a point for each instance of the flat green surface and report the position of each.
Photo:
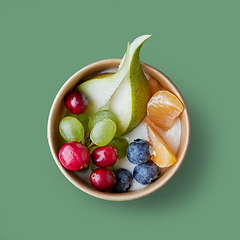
(195, 43)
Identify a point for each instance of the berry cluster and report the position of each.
(91, 141)
(138, 153)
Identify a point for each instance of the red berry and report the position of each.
(104, 156)
(103, 179)
(76, 102)
(73, 156)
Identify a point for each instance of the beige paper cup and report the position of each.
(55, 117)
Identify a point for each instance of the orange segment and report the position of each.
(163, 108)
(162, 155)
(154, 85)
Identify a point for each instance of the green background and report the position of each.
(195, 43)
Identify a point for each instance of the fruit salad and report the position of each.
(120, 131)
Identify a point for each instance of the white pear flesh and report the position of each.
(121, 105)
(125, 93)
(99, 90)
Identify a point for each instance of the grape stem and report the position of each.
(90, 145)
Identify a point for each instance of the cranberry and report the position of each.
(104, 156)
(73, 156)
(103, 179)
(76, 102)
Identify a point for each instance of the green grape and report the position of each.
(71, 129)
(83, 142)
(93, 166)
(103, 114)
(91, 149)
(83, 118)
(121, 145)
(103, 132)
(112, 168)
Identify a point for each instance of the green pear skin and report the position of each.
(125, 93)
(141, 93)
(129, 102)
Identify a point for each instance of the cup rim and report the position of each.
(75, 79)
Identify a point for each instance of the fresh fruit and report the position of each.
(162, 155)
(125, 93)
(84, 169)
(103, 179)
(146, 173)
(124, 180)
(83, 119)
(163, 108)
(104, 114)
(154, 85)
(121, 145)
(138, 151)
(118, 102)
(76, 102)
(103, 132)
(71, 129)
(73, 156)
(92, 148)
(112, 168)
(104, 156)
(93, 166)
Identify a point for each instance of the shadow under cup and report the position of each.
(54, 136)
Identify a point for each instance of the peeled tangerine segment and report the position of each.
(154, 85)
(163, 108)
(162, 155)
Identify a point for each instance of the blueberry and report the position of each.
(124, 180)
(145, 173)
(138, 151)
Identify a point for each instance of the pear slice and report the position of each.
(131, 97)
(125, 93)
(100, 89)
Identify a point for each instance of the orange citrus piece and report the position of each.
(163, 108)
(162, 155)
(154, 85)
